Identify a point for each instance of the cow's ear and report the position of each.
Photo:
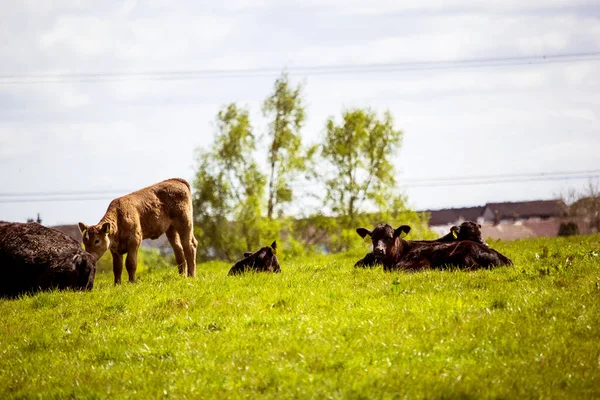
(247, 254)
(106, 228)
(362, 232)
(454, 230)
(82, 227)
(274, 247)
(402, 231)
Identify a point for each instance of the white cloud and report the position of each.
(131, 133)
(380, 7)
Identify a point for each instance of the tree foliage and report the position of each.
(354, 163)
(359, 152)
(584, 205)
(229, 190)
(286, 159)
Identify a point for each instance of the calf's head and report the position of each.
(95, 238)
(263, 260)
(78, 272)
(386, 240)
(470, 230)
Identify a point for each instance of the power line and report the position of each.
(503, 176)
(55, 199)
(496, 181)
(35, 194)
(38, 197)
(167, 75)
(491, 179)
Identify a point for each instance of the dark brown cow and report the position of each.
(468, 230)
(393, 252)
(33, 258)
(263, 260)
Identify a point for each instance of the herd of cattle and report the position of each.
(34, 257)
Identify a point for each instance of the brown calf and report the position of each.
(264, 260)
(165, 207)
(393, 252)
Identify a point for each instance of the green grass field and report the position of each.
(320, 329)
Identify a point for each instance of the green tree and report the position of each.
(229, 190)
(286, 158)
(584, 205)
(359, 151)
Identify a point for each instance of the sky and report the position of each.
(124, 134)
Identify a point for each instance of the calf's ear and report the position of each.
(454, 230)
(106, 228)
(362, 232)
(247, 254)
(274, 247)
(402, 231)
(82, 227)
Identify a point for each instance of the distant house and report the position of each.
(454, 216)
(497, 212)
(507, 221)
(524, 210)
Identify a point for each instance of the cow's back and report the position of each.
(34, 257)
(467, 254)
(154, 208)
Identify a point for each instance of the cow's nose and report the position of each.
(378, 251)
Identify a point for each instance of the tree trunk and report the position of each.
(271, 204)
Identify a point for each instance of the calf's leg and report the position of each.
(367, 261)
(175, 241)
(131, 260)
(189, 244)
(117, 260)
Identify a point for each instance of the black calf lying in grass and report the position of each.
(393, 252)
(264, 260)
(468, 230)
(33, 258)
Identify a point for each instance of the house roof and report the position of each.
(527, 209)
(71, 230)
(452, 215)
(506, 210)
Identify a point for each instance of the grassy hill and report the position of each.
(320, 329)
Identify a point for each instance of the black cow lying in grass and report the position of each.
(468, 230)
(33, 258)
(264, 260)
(393, 252)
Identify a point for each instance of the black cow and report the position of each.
(264, 260)
(393, 252)
(33, 258)
(468, 230)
